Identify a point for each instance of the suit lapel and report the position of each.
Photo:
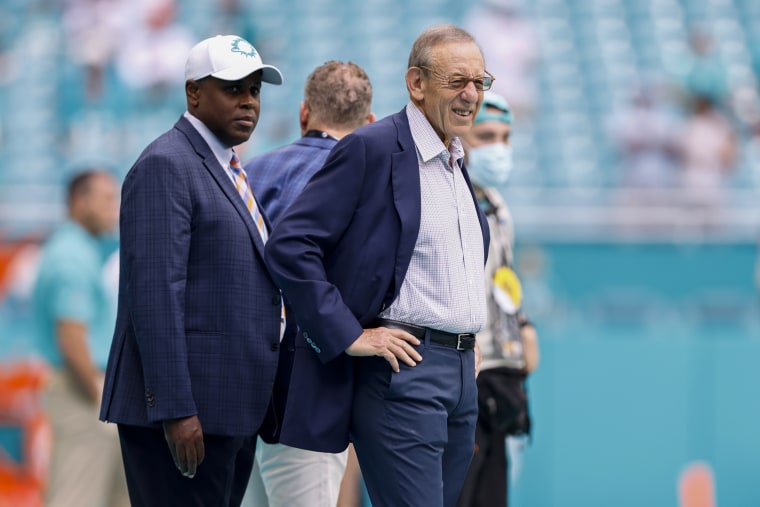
(484, 227)
(405, 178)
(224, 182)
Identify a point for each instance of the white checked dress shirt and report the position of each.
(444, 287)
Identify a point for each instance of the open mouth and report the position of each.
(463, 113)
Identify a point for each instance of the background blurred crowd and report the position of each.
(582, 75)
(637, 171)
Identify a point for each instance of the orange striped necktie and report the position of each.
(244, 189)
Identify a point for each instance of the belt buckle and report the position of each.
(459, 340)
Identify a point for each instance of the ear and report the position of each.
(77, 207)
(192, 92)
(303, 116)
(371, 118)
(414, 83)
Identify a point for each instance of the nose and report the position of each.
(469, 92)
(250, 98)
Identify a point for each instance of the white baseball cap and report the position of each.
(228, 57)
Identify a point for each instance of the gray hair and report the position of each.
(420, 55)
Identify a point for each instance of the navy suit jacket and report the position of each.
(340, 254)
(277, 178)
(198, 324)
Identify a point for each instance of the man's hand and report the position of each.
(71, 336)
(185, 440)
(392, 344)
(478, 358)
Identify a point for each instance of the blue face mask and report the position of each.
(490, 165)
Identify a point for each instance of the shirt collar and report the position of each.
(72, 224)
(75, 228)
(427, 141)
(222, 153)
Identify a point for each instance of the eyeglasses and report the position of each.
(459, 82)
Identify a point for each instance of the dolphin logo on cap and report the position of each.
(243, 47)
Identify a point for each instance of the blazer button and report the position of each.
(275, 347)
(276, 299)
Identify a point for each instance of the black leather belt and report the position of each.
(459, 341)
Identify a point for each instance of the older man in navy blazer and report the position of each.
(383, 255)
(195, 350)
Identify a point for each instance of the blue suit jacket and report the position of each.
(340, 254)
(198, 324)
(277, 178)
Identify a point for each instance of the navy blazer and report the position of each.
(340, 254)
(277, 178)
(198, 324)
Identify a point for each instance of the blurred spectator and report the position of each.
(509, 42)
(753, 152)
(709, 151)
(236, 16)
(74, 328)
(93, 31)
(150, 60)
(705, 73)
(645, 133)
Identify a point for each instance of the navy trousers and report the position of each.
(154, 481)
(414, 431)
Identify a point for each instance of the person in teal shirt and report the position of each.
(73, 310)
(70, 286)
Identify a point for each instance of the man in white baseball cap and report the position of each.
(228, 57)
(195, 350)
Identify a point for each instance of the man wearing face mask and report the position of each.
(508, 342)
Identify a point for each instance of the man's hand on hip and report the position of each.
(185, 440)
(392, 344)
